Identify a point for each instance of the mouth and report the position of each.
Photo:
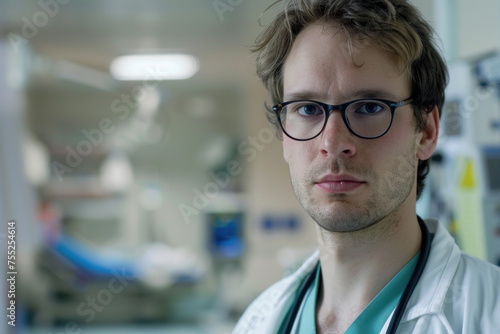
(342, 183)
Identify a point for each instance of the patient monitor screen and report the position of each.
(493, 169)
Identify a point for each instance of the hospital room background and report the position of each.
(144, 190)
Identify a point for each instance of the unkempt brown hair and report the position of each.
(392, 25)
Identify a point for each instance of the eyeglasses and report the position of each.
(365, 118)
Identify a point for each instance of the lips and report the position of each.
(341, 183)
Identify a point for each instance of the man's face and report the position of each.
(347, 183)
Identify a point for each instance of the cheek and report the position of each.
(298, 153)
(287, 148)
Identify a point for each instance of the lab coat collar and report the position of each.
(268, 311)
(429, 295)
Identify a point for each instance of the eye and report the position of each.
(309, 109)
(369, 107)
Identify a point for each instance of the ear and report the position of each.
(429, 135)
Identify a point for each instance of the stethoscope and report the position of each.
(425, 249)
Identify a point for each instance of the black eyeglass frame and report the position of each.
(329, 108)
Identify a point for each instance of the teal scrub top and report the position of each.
(376, 313)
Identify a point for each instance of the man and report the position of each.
(358, 87)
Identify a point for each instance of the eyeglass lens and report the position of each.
(305, 119)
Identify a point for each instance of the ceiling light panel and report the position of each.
(154, 67)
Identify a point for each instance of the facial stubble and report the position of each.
(344, 212)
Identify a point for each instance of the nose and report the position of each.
(336, 139)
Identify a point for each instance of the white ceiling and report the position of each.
(92, 33)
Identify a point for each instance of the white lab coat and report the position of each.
(457, 293)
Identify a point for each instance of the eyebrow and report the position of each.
(303, 95)
(354, 95)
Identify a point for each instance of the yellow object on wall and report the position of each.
(468, 180)
(470, 230)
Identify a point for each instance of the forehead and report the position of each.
(325, 61)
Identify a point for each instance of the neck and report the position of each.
(357, 265)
